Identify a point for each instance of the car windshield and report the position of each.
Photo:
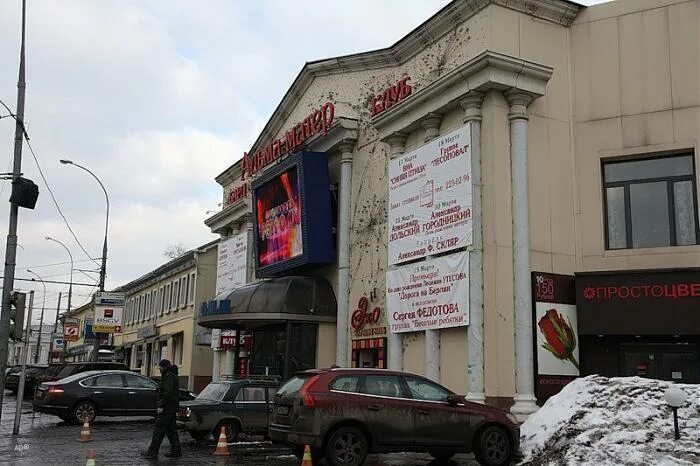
(213, 392)
(293, 385)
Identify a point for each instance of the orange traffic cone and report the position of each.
(306, 461)
(90, 458)
(222, 444)
(85, 435)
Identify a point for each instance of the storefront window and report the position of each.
(270, 349)
(650, 202)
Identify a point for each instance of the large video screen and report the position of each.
(279, 219)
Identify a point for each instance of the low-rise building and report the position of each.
(160, 318)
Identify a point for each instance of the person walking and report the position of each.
(168, 404)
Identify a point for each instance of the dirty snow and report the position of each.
(604, 421)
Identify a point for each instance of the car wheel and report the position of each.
(347, 446)
(443, 455)
(231, 429)
(493, 448)
(198, 435)
(84, 410)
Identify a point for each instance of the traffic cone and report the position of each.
(85, 435)
(222, 444)
(90, 457)
(306, 461)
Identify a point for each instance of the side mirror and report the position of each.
(453, 399)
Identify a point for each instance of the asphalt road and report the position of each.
(46, 440)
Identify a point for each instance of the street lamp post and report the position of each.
(70, 283)
(103, 267)
(41, 320)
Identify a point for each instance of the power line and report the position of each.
(55, 264)
(55, 282)
(53, 198)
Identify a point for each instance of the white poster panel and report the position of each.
(431, 294)
(430, 198)
(108, 319)
(557, 348)
(232, 261)
(215, 338)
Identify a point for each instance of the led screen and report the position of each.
(279, 215)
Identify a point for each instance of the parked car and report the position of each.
(71, 368)
(86, 395)
(237, 405)
(30, 380)
(344, 414)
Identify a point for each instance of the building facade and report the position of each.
(81, 345)
(160, 318)
(513, 195)
(44, 346)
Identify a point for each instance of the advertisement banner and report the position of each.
(431, 294)
(89, 332)
(215, 338)
(556, 337)
(232, 262)
(430, 198)
(71, 331)
(278, 210)
(107, 319)
(103, 298)
(57, 343)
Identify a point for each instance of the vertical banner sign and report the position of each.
(232, 262)
(71, 330)
(429, 295)
(430, 198)
(215, 338)
(556, 334)
(109, 308)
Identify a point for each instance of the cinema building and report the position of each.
(503, 200)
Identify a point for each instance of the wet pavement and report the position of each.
(46, 440)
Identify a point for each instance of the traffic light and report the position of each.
(17, 301)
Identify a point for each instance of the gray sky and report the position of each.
(156, 97)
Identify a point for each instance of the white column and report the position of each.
(216, 367)
(344, 209)
(475, 332)
(524, 377)
(250, 253)
(431, 124)
(229, 369)
(397, 143)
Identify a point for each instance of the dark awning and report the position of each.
(296, 298)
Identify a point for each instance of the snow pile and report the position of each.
(613, 421)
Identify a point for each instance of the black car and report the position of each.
(86, 395)
(71, 368)
(30, 381)
(237, 405)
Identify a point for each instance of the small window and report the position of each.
(424, 390)
(383, 385)
(346, 383)
(109, 381)
(251, 394)
(650, 202)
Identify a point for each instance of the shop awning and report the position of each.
(296, 298)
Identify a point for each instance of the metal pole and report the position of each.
(11, 247)
(55, 328)
(675, 423)
(41, 322)
(22, 376)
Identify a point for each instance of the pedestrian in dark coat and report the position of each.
(168, 404)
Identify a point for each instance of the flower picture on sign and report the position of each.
(429, 295)
(430, 198)
(557, 348)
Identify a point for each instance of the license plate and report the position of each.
(283, 410)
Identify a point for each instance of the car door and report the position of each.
(436, 422)
(109, 392)
(251, 406)
(382, 403)
(142, 395)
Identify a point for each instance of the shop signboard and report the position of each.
(430, 198)
(641, 302)
(58, 343)
(292, 212)
(232, 262)
(89, 333)
(431, 294)
(366, 321)
(71, 330)
(215, 338)
(556, 335)
(228, 339)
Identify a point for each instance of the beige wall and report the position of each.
(325, 345)
(637, 91)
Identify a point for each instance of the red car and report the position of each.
(345, 414)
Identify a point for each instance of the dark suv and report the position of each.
(71, 368)
(344, 414)
(31, 381)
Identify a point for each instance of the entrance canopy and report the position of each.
(292, 298)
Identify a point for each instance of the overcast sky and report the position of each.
(156, 97)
